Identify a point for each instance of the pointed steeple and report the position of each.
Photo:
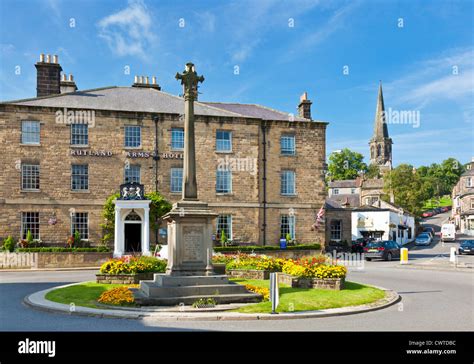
(380, 125)
(380, 144)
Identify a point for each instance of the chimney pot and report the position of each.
(136, 79)
(140, 79)
(64, 77)
(304, 108)
(55, 58)
(71, 78)
(42, 57)
(153, 80)
(146, 80)
(48, 58)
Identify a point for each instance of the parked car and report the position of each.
(427, 214)
(423, 239)
(445, 209)
(448, 232)
(466, 247)
(430, 231)
(386, 250)
(358, 245)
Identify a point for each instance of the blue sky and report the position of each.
(423, 52)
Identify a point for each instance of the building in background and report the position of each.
(66, 151)
(463, 202)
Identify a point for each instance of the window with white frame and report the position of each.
(79, 134)
(223, 181)
(80, 223)
(79, 177)
(224, 224)
(287, 226)
(177, 138)
(176, 182)
(335, 230)
(30, 177)
(133, 136)
(288, 183)
(30, 222)
(30, 132)
(468, 181)
(287, 145)
(335, 191)
(132, 173)
(223, 141)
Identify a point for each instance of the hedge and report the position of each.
(259, 248)
(101, 249)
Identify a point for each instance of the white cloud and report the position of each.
(129, 31)
(436, 80)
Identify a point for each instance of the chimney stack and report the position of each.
(48, 76)
(68, 84)
(304, 107)
(144, 82)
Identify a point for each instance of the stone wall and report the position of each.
(286, 254)
(52, 260)
(123, 278)
(298, 282)
(344, 215)
(249, 273)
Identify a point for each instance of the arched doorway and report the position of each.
(133, 232)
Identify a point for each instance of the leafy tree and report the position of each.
(373, 171)
(345, 164)
(158, 207)
(407, 187)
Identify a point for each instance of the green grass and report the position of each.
(434, 202)
(303, 299)
(84, 294)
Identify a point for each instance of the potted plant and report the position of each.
(223, 238)
(77, 239)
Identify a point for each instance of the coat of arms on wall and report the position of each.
(132, 191)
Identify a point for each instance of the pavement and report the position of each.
(431, 300)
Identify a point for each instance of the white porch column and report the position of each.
(118, 238)
(146, 232)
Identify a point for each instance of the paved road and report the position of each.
(431, 301)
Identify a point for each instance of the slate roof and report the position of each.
(337, 201)
(344, 183)
(257, 111)
(140, 99)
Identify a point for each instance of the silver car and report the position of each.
(423, 239)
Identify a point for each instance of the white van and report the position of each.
(448, 232)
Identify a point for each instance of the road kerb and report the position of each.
(38, 301)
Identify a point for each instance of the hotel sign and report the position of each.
(91, 153)
(151, 154)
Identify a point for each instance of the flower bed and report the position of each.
(130, 270)
(117, 296)
(265, 292)
(313, 272)
(256, 262)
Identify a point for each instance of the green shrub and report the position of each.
(256, 262)
(101, 249)
(9, 244)
(259, 248)
(29, 237)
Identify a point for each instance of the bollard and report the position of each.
(274, 292)
(403, 256)
(452, 255)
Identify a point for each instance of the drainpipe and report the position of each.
(156, 158)
(264, 179)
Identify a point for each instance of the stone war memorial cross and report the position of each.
(189, 274)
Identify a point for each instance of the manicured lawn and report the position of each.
(433, 203)
(85, 294)
(302, 299)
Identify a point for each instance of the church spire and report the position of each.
(380, 144)
(380, 125)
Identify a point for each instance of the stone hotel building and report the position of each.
(65, 151)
